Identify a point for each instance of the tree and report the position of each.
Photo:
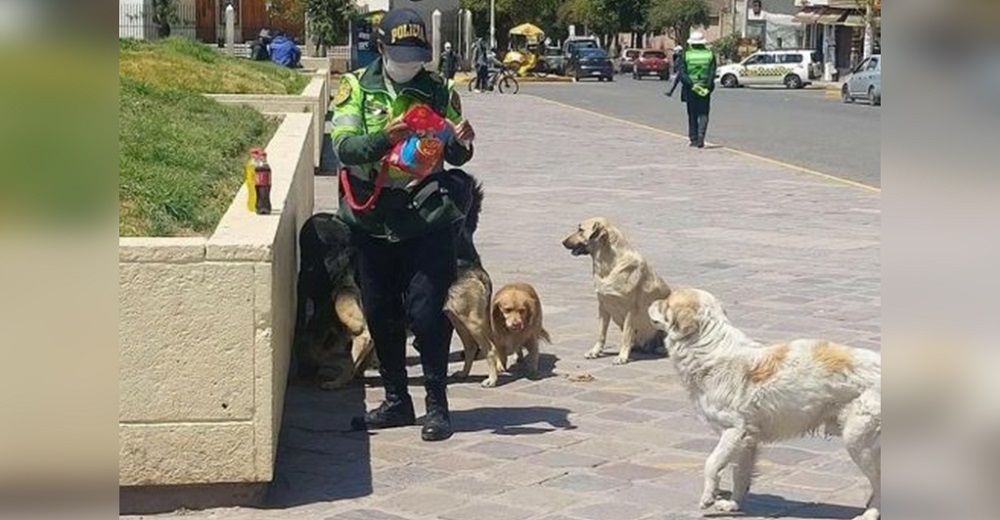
(327, 21)
(872, 9)
(164, 14)
(677, 17)
(543, 13)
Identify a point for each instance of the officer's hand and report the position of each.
(464, 132)
(398, 130)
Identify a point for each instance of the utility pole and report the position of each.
(493, 26)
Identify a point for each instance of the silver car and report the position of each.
(865, 82)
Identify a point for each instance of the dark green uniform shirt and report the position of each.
(364, 105)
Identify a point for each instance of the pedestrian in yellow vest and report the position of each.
(697, 74)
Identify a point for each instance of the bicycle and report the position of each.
(501, 79)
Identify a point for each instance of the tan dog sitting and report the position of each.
(626, 285)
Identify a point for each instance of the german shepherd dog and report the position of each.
(332, 342)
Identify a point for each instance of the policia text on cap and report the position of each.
(408, 242)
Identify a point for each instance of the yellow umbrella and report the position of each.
(529, 31)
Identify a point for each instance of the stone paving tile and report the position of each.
(785, 455)
(542, 498)
(614, 509)
(684, 422)
(422, 501)
(815, 481)
(790, 255)
(605, 397)
(457, 462)
(648, 434)
(523, 474)
(482, 509)
(626, 416)
(564, 459)
(703, 445)
(503, 450)
(629, 471)
(658, 496)
(608, 448)
(659, 405)
(474, 486)
(365, 514)
(586, 482)
(399, 453)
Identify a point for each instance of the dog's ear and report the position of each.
(529, 313)
(498, 320)
(597, 231)
(683, 319)
(658, 313)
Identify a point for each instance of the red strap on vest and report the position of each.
(349, 193)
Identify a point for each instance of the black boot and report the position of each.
(394, 412)
(437, 424)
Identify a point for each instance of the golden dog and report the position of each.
(517, 328)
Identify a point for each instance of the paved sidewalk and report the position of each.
(792, 255)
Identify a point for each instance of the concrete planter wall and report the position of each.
(205, 334)
(315, 100)
(317, 62)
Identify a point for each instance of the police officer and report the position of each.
(405, 232)
(697, 74)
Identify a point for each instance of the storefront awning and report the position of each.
(831, 16)
(853, 20)
(807, 15)
(820, 15)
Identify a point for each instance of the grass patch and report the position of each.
(185, 64)
(181, 158)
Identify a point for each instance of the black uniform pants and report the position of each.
(406, 284)
(482, 77)
(698, 108)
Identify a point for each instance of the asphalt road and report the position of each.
(807, 128)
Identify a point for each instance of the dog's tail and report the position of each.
(544, 334)
(475, 207)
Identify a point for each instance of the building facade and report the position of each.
(836, 29)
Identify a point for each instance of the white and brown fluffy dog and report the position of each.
(752, 394)
(625, 284)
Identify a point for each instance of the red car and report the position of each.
(651, 63)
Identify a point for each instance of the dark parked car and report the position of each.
(651, 63)
(590, 63)
(571, 45)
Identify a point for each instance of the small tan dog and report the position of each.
(753, 394)
(626, 285)
(517, 328)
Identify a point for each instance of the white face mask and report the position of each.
(402, 72)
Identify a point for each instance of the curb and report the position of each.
(525, 79)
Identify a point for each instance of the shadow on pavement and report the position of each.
(773, 505)
(512, 420)
(319, 459)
